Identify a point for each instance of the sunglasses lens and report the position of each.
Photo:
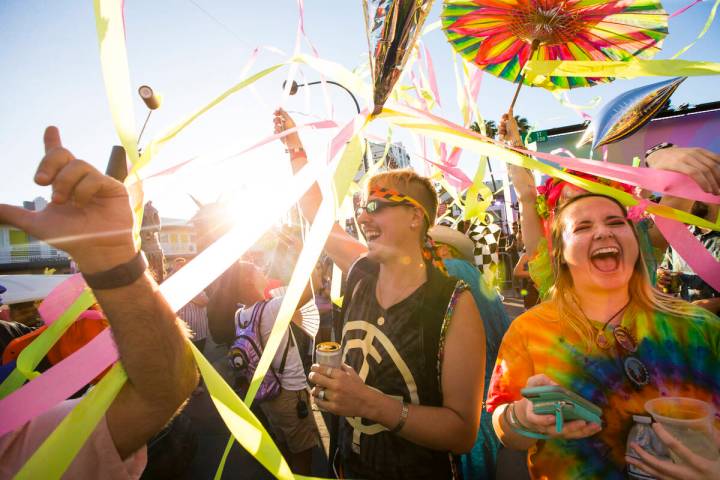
(372, 206)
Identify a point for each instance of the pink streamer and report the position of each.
(57, 383)
(346, 133)
(60, 298)
(698, 258)
(667, 182)
(321, 124)
(635, 213)
(685, 8)
(432, 79)
(456, 178)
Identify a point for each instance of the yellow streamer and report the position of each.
(538, 71)
(31, 355)
(56, 453)
(702, 33)
(455, 135)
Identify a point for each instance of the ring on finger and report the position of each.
(321, 394)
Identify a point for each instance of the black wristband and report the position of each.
(657, 147)
(120, 276)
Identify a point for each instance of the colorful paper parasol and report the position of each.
(392, 27)
(500, 36)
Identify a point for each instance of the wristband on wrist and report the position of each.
(298, 154)
(294, 149)
(517, 426)
(403, 418)
(659, 146)
(119, 276)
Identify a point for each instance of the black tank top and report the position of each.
(397, 352)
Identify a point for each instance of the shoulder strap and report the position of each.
(256, 318)
(257, 314)
(290, 340)
(360, 269)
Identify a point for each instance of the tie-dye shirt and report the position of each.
(682, 355)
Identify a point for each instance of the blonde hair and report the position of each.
(407, 182)
(643, 297)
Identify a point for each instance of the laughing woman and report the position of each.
(606, 335)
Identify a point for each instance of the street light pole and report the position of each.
(295, 86)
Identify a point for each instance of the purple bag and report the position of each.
(245, 354)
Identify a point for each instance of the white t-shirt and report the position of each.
(293, 377)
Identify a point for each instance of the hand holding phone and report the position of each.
(543, 423)
(564, 404)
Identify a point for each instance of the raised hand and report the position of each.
(509, 131)
(700, 164)
(89, 216)
(282, 122)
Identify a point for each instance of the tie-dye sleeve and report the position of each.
(512, 368)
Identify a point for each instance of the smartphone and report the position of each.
(561, 402)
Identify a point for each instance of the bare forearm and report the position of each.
(456, 435)
(531, 225)
(310, 201)
(151, 342)
(509, 437)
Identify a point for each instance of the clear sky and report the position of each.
(191, 50)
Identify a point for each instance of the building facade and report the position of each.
(21, 253)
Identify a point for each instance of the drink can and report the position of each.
(328, 354)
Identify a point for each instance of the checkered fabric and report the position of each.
(486, 245)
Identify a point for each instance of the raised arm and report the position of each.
(524, 184)
(91, 219)
(340, 246)
(700, 164)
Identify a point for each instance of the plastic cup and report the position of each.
(689, 420)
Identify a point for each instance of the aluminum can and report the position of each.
(329, 354)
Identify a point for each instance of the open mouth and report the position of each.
(606, 259)
(371, 235)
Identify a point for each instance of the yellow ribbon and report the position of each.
(458, 136)
(538, 71)
(59, 449)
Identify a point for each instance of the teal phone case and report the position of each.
(564, 404)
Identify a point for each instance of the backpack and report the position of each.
(245, 353)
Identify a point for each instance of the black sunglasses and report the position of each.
(376, 206)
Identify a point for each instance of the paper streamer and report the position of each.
(60, 298)
(57, 452)
(537, 71)
(440, 129)
(685, 8)
(698, 258)
(31, 355)
(114, 63)
(53, 395)
(58, 382)
(314, 244)
(710, 20)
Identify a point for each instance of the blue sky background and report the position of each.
(191, 50)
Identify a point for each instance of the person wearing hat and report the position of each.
(457, 251)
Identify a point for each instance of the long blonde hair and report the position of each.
(643, 297)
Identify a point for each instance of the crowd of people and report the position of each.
(435, 377)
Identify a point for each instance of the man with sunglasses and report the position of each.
(409, 391)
